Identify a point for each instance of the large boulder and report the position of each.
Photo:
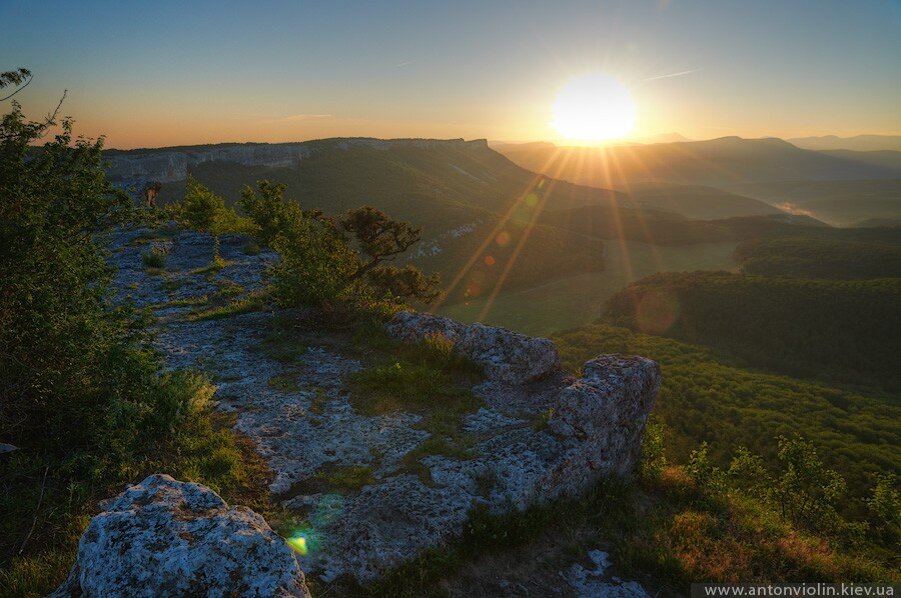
(163, 537)
(506, 356)
(604, 413)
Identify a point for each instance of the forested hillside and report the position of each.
(802, 257)
(706, 398)
(834, 330)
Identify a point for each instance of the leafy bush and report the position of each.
(325, 261)
(63, 352)
(81, 392)
(155, 258)
(204, 211)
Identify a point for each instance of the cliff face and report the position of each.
(173, 164)
(534, 435)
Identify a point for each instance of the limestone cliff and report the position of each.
(538, 433)
(174, 163)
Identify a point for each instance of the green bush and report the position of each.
(326, 261)
(156, 258)
(81, 393)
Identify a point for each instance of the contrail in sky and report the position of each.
(679, 74)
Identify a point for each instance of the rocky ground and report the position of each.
(535, 433)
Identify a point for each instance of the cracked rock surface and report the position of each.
(539, 433)
(163, 537)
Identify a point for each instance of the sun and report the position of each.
(594, 107)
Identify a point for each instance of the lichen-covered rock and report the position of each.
(506, 356)
(594, 583)
(537, 435)
(163, 537)
(606, 410)
(413, 327)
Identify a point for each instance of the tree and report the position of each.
(324, 260)
(201, 207)
(20, 78)
(271, 212)
(381, 239)
(67, 354)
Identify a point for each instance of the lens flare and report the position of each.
(657, 312)
(299, 543)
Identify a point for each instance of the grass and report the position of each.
(154, 259)
(536, 310)
(662, 531)
(251, 248)
(335, 478)
(163, 232)
(201, 300)
(453, 447)
(173, 284)
(60, 494)
(284, 384)
(283, 342)
(428, 379)
(253, 302)
(217, 264)
(542, 419)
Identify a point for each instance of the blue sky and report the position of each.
(164, 73)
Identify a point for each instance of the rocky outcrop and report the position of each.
(595, 583)
(537, 434)
(506, 356)
(163, 537)
(167, 165)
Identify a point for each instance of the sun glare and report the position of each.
(594, 107)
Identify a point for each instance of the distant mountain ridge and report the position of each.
(723, 161)
(860, 143)
(170, 164)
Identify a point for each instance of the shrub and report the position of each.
(326, 261)
(63, 350)
(81, 391)
(204, 211)
(155, 258)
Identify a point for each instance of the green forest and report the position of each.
(835, 330)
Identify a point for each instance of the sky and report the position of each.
(151, 74)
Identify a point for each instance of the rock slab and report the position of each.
(506, 356)
(164, 537)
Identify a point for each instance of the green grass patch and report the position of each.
(541, 419)
(156, 234)
(216, 265)
(181, 436)
(284, 383)
(251, 248)
(253, 302)
(185, 302)
(284, 342)
(154, 259)
(173, 284)
(335, 478)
